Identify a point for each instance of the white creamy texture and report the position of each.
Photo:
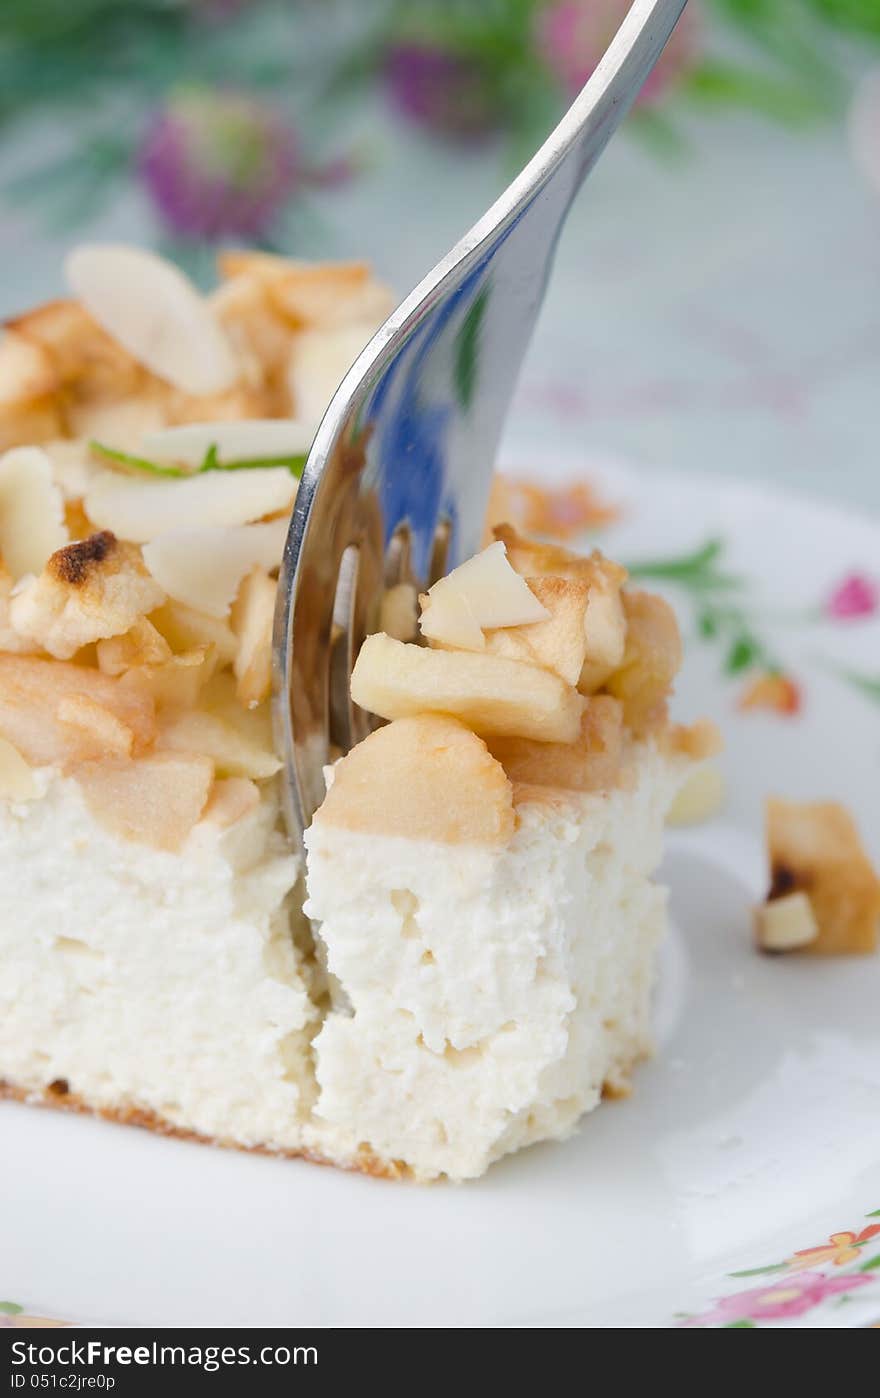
(484, 995)
(488, 993)
(154, 980)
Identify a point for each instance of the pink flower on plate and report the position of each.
(856, 596)
(782, 1300)
(572, 36)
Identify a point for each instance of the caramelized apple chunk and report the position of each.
(814, 849)
(427, 777)
(31, 692)
(651, 661)
(493, 696)
(591, 763)
(154, 800)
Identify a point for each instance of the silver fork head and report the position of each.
(396, 484)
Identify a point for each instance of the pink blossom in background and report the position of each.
(219, 164)
(856, 596)
(572, 35)
(782, 1300)
(440, 90)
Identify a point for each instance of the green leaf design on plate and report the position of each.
(761, 1271)
(467, 350)
(10, 1308)
(868, 685)
(744, 652)
(211, 462)
(872, 1264)
(740, 1325)
(875, 1213)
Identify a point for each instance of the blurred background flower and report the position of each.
(572, 36)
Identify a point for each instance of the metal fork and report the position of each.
(396, 483)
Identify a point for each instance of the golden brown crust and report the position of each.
(57, 1095)
(76, 563)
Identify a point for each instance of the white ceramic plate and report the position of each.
(754, 1134)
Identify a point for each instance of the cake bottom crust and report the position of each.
(365, 1163)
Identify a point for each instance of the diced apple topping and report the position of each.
(203, 568)
(786, 924)
(89, 590)
(699, 798)
(560, 642)
(591, 763)
(253, 617)
(150, 308)
(141, 645)
(604, 618)
(144, 510)
(814, 849)
(482, 593)
(154, 800)
(231, 798)
(398, 612)
(31, 511)
(254, 439)
(238, 740)
(427, 777)
(31, 691)
(651, 661)
(88, 363)
(94, 725)
(177, 683)
(16, 777)
(493, 696)
(186, 628)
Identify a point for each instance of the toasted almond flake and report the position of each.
(26, 370)
(701, 796)
(156, 313)
(31, 511)
(203, 568)
(144, 510)
(96, 724)
(117, 422)
(16, 777)
(89, 590)
(140, 645)
(319, 361)
(154, 800)
(177, 683)
(329, 295)
(253, 616)
(252, 440)
(493, 696)
(426, 777)
(786, 924)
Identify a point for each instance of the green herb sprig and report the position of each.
(210, 462)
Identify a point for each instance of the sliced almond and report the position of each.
(156, 313)
(143, 510)
(422, 778)
(786, 924)
(141, 645)
(16, 777)
(31, 691)
(31, 511)
(154, 800)
(95, 588)
(491, 695)
(203, 568)
(117, 422)
(253, 617)
(318, 362)
(699, 798)
(253, 440)
(591, 763)
(484, 588)
(557, 644)
(177, 683)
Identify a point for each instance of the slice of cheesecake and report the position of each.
(480, 965)
(480, 870)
